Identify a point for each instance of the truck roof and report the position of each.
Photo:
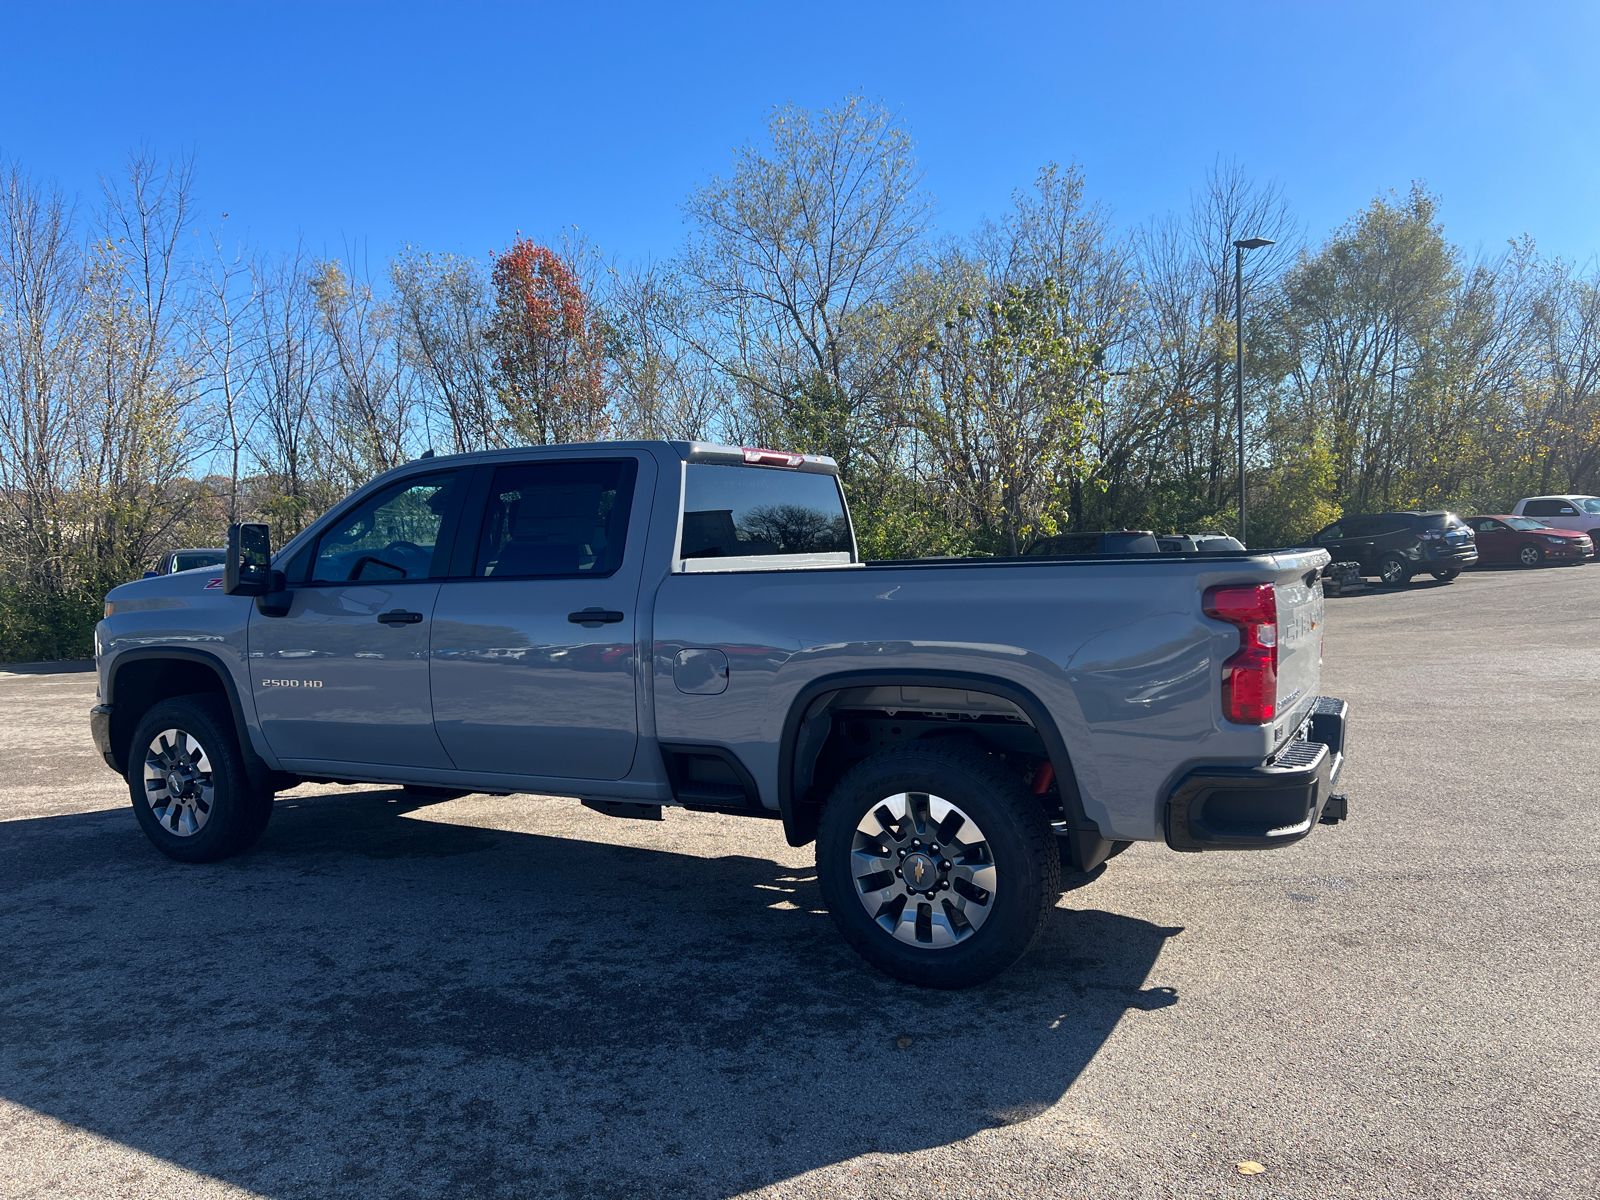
(688, 451)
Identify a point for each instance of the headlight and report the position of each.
(1556, 541)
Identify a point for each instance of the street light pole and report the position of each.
(1239, 247)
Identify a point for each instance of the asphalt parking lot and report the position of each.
(518, 997)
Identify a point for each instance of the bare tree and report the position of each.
(229, 341)
(793, 256)
(444, 312)
(365, 413)
(292, 363)
(42, 363)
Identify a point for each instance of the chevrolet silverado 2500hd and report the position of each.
(649, 624)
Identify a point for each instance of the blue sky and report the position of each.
(453, 126)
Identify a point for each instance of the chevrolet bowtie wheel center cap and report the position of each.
(920, 872)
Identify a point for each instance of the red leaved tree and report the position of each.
(549, 348)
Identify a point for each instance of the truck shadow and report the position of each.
(371, 1004)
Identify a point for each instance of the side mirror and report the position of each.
(151, 575)
(244, 572)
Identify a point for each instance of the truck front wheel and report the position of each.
(936, 865)
(186, 775)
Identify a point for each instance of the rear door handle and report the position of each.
(399, 616)
(595, 616)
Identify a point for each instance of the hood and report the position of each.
(200, 581)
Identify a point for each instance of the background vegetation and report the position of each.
(1050, 371)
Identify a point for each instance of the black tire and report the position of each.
(1529, 555)
(1018, 843)
(1445, 576)
(222, 813)
(1394, 570)
(1594, 544)
(433, 795)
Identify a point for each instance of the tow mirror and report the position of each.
(244, 572)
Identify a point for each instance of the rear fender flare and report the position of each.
(799, 825)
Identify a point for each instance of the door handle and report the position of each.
(399, 616)
(595, 616)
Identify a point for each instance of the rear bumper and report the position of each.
(1271, 804)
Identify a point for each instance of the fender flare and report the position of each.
(255, 766)
(800, 825)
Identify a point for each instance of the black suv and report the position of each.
(1394, 546)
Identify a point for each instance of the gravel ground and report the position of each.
(518, 997)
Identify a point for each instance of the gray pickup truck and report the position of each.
(650, 624)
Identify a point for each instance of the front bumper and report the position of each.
(1271, 804)
(100, 730)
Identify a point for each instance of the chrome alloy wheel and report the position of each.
(923, 870)
(177, 782)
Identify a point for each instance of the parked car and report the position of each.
(1198, 543)
(174, 561)
(1514, 539)
(1395, 546)
(1564, 512)
(1114, 541)
(650, 624)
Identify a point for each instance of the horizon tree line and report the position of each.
(1049, 371)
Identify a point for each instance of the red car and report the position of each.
(1506, 539)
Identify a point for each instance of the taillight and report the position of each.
(756, 456)
(1250, 677)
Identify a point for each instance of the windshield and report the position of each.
(1589, 504)
(1524, 523)
(201, 558)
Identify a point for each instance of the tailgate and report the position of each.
(1299, 642)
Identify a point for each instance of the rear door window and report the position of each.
(1541, 508)
(552, 519)
(740, 512)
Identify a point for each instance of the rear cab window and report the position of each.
(761, 517)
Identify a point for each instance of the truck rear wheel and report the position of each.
(936, 865)
(186, 776)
